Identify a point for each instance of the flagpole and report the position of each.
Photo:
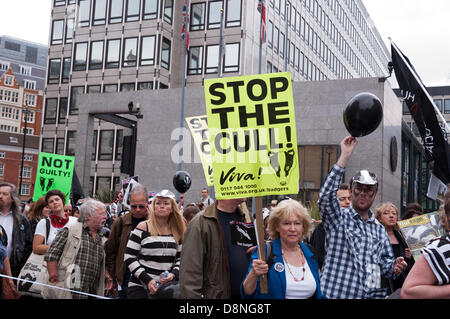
(219, 69)
(183, 84)
(421, 85)
(286, 40)
(260, 40)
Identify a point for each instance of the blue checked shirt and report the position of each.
(358, 252)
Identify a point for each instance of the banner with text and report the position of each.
(54, 172)
(198, 126)
(251, 124)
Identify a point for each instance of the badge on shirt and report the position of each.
(279, 267)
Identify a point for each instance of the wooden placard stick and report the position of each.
(261, 243)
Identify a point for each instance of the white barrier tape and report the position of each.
(51, 286)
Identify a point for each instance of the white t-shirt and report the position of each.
(41, 229)
(302, 289)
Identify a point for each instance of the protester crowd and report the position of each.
(164, 248)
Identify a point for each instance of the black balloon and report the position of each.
(182, 181)
(363, 114)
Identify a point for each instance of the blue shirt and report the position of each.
(358, 251)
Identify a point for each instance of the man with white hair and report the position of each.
(83, 261)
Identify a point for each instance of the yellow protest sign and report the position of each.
(252, 131)
(198, 126)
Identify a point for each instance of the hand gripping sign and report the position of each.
(54, 172)
(253, 142)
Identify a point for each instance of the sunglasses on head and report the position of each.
(137, 206)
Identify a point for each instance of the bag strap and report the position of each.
(47, 225)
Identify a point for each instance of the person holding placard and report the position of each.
(211, 266)
(358, 249)
(58, 220)
(294, 273)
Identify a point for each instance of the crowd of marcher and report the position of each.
(163, 248)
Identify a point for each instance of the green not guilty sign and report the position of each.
(54, 172)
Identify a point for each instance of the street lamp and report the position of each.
(25, 112)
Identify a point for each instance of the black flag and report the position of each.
(422, 110)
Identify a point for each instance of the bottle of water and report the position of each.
(163, 275)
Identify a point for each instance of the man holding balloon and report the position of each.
(358, 248)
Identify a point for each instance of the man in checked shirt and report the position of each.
(358, 248)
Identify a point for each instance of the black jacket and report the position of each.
(22, 243)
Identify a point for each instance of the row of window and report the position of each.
(198, 64)
(202, 15)
(98, 12)
(55, 111)
(93, 56)
(9, 96)
(23, 69)
(442, 104)
(109, 142)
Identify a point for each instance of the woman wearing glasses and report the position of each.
(154, 249)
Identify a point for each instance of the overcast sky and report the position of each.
(420, 28)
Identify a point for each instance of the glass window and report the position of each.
(195, 60)
(232, 58)
(50, 111)
(276, 35)
(116, 11)
(54, 68)
(233, 13)
(165, 54)
(94, 145)
(197, 16)
(438, 103)
(106, 145)
(281, 44)
(148, 50)
(269, 34)
(80, 56)
(62, 110)
(84, 12)
(103, 184)
(66, 70)
(76, 90)
(133, 9)
(96, 61)
(57, 31)
(446, 106)
(47, 145)
(99, 12)
(145, 85)
(60, 3)
(110, 88)
(214, 14)
(150, 9)
(212, 58)
(60, 146)
(69, 30)
(168, 9)
(71, 142)
(113, 54)
(125, 87)
(119, 144)
(129, 52)
(94, 89)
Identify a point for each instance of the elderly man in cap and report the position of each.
(358, 248)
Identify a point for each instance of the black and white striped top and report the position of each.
(148, 256)
(437, 254)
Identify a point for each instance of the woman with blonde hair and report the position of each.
(154, 249)
(388, 215)
(294, 272)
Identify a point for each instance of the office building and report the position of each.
(106, 46)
